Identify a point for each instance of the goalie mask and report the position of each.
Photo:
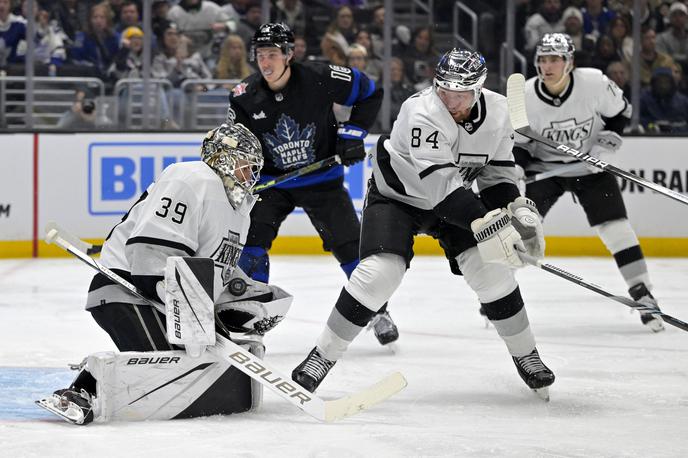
(461, 70)
(555, 44)
(235, 154)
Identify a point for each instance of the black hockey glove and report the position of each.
(350, 147)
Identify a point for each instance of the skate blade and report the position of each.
(76, 419)
(542, 393)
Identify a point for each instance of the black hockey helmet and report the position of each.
(272, 34)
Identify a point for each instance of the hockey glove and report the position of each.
(350, 147)
(526, 220)
(606, 145)
(496, 238)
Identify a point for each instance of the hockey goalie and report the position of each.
(186, 381)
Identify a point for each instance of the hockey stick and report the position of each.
(328, 161)
(574, 166)
(516, 98)
(559, 272)
(253, 366)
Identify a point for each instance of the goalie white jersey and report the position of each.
(184, 213)
(429, 155)
(574, 117)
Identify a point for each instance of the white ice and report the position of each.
(620, 391)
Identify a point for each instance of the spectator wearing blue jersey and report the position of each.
(596, 17)
(12, 35)
(97, 46)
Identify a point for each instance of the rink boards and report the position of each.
(87, 182)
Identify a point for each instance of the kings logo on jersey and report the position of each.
(290, 146)
(569, 132)
(226, 256)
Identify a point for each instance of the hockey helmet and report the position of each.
(461, 70)
(555, 44)
(235, 154)
(272, 34)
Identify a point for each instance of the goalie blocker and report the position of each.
(174, 384)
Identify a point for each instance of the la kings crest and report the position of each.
(226, 255)
(569, 132)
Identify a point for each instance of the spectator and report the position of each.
(334, 48)
(159, 10)
(596, 18)
(116, 7)
(204, 22)
(619, 31)
(128, 16)
(174, 62)
(249, 23)
(677, 72)
(71, 15)
(96, 46)
(12, 35)
(605, 53)
(401, 90)
(339, 35)
(300, 49)
(650, 58)
(617, 72)
(547, 20)
(674, 41)
(573, 25)
(662, 108)
(82, 114)
(347, 3)
(291, 12)
(49, 39)
(233, 62)
(357, 57)
(374, 66)
(420, 58)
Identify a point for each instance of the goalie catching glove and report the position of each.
(497, 238)
(249, 306)
(525, 218)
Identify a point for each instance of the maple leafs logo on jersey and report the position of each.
(239, 89)
(226, 255)
(290, 146)
(569, 132)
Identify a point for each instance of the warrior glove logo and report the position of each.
(569, 132)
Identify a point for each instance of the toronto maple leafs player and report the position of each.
(288, 105)
(445, 138)
(197, 209)
(582, 108)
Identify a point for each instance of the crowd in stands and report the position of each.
(204, 39)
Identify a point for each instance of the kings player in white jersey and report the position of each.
(194, 209)
(582, 108)
(445, 138)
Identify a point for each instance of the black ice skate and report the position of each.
(73, 407)
(384, 328)
(533, 371)
(311, 372)
(641, 294)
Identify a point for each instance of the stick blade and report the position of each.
(516, 99)
(357, 402)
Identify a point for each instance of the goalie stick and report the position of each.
(328, 161)
(516, 99)
(559, 272)
(253, 366)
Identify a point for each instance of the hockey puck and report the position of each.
(237, 286)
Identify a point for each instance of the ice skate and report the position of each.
(641, 294)
(73, 407)
(533, 371)
(384, 328)
(311, 372)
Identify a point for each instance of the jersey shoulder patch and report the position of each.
(239, 89)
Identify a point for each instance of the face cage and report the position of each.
(227, 166)
(568, 57)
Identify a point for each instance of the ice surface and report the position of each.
(620, 390)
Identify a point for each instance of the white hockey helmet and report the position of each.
(461, 70)
(235, 154)
(555, 44)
